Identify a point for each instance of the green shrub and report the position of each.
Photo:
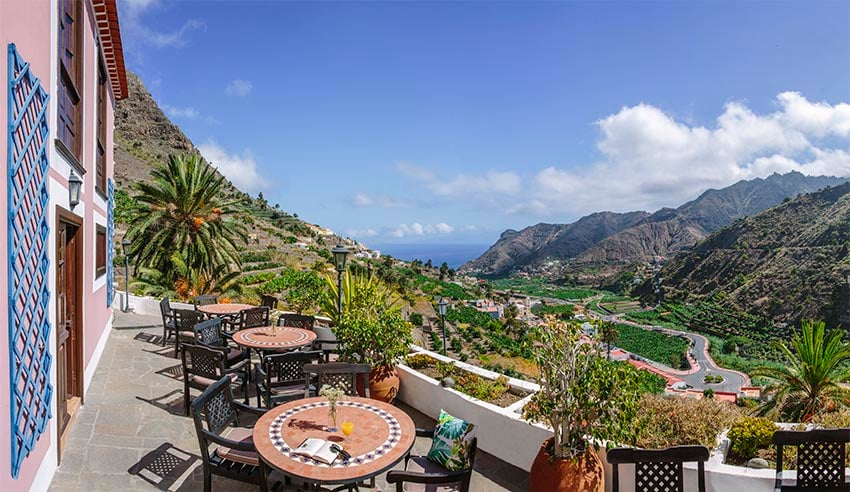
(749, 434)
(674, 421)
(419, 361)
(416, 319)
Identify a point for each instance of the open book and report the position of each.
(319, 450)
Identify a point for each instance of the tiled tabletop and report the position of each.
(223, 309)
(274, 337)
(382, 436)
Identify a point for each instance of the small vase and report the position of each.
(332, 415)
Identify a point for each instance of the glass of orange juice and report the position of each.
(347, 427)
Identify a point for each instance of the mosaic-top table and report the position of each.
(382, 436)
(274, 338)
(223, 309)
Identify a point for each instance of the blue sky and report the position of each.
(450, 122)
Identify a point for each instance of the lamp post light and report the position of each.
(75, 184)
(441, 306)
(340, 253)
(125, 248)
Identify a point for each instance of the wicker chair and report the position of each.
(203, 366)
(280, 378)
(268, 301)
(659, 469)
(204, 300)
(250, 318)
(296, 321)
(325, 341)
(184, 326)
(341, 375)
(167, 319)
(208, 333)
(234, 455)
(820, 459)
(430, 476)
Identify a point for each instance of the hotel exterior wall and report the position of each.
(32, 26)
(27, 24)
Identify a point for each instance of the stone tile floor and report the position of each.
(131, 433)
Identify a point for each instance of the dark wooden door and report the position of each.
(68, 375)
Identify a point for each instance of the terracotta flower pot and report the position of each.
(383, 384)
(585, 474)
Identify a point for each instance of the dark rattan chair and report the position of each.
(208, 333)
(268, 301)
(420, 473)
(204, 300)
(325, 341)
(659, 469)
(296, 321)
(203, 366)
(341, 375)
(250, 318)
(167, 319)
(184, 326)
(280, 378)
(234, 454)
(821, 455)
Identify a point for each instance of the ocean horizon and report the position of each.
(454, 255)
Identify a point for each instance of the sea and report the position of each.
(454, 255)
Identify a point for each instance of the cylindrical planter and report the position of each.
(584, 474)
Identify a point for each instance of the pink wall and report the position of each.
(27, 24)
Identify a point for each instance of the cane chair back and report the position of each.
(252, 318)
(281, 377)
(205, 300)
(167, 319)
(296, 321)
(821, 455)
(325, 341)
(341, 375)
(659, 470)
(430, 475)
(184, 326)
(208, 333)
(268, 301)
(202, 361)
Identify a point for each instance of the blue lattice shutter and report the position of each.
(110, 243)
(29, 326)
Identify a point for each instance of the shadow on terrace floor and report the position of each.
(131, 433)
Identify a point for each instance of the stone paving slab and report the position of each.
(131, 433)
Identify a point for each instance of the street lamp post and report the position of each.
(441, 306)
(340, 253)
(125, 248)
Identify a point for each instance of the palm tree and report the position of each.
(608, 334)
(181, 211)
(809, 383)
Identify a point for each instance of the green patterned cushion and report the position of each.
(450, 446)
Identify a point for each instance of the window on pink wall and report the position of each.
(100, 252)
(102, 101)
(70, 78)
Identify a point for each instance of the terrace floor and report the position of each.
(131, 432)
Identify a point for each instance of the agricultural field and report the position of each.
(538, 288)
(653, 345)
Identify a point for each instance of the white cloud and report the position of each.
(361, 233)
(417, 229)
(132, 12)
(241, 170)
(490, 183)
(239, 88)
(649, 159)
(175, 112)
(361, 199)
(413, 171)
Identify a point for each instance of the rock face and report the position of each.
(608, 237)
(788, 263)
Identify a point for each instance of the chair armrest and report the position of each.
(258, 369)
(237, 367)
(248, 408)
(230, 443)
(426, 478)
(425, 433)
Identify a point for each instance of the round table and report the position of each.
(383, 435)
(274, 338)
(223, 309)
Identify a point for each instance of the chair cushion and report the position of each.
(235, 353)
(243, 435)
(207, 381)
(291, 390)
(422, 464)
(450, 445)
(186, 334)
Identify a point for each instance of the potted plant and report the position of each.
(586, 400)
(370, 329)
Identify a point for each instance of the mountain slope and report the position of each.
(789, 262)
(145, 137)
(663, 233)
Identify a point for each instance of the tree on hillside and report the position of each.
(444, 269)
(608, 334)
(809, 383)
(182, 224)
(429, 264)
